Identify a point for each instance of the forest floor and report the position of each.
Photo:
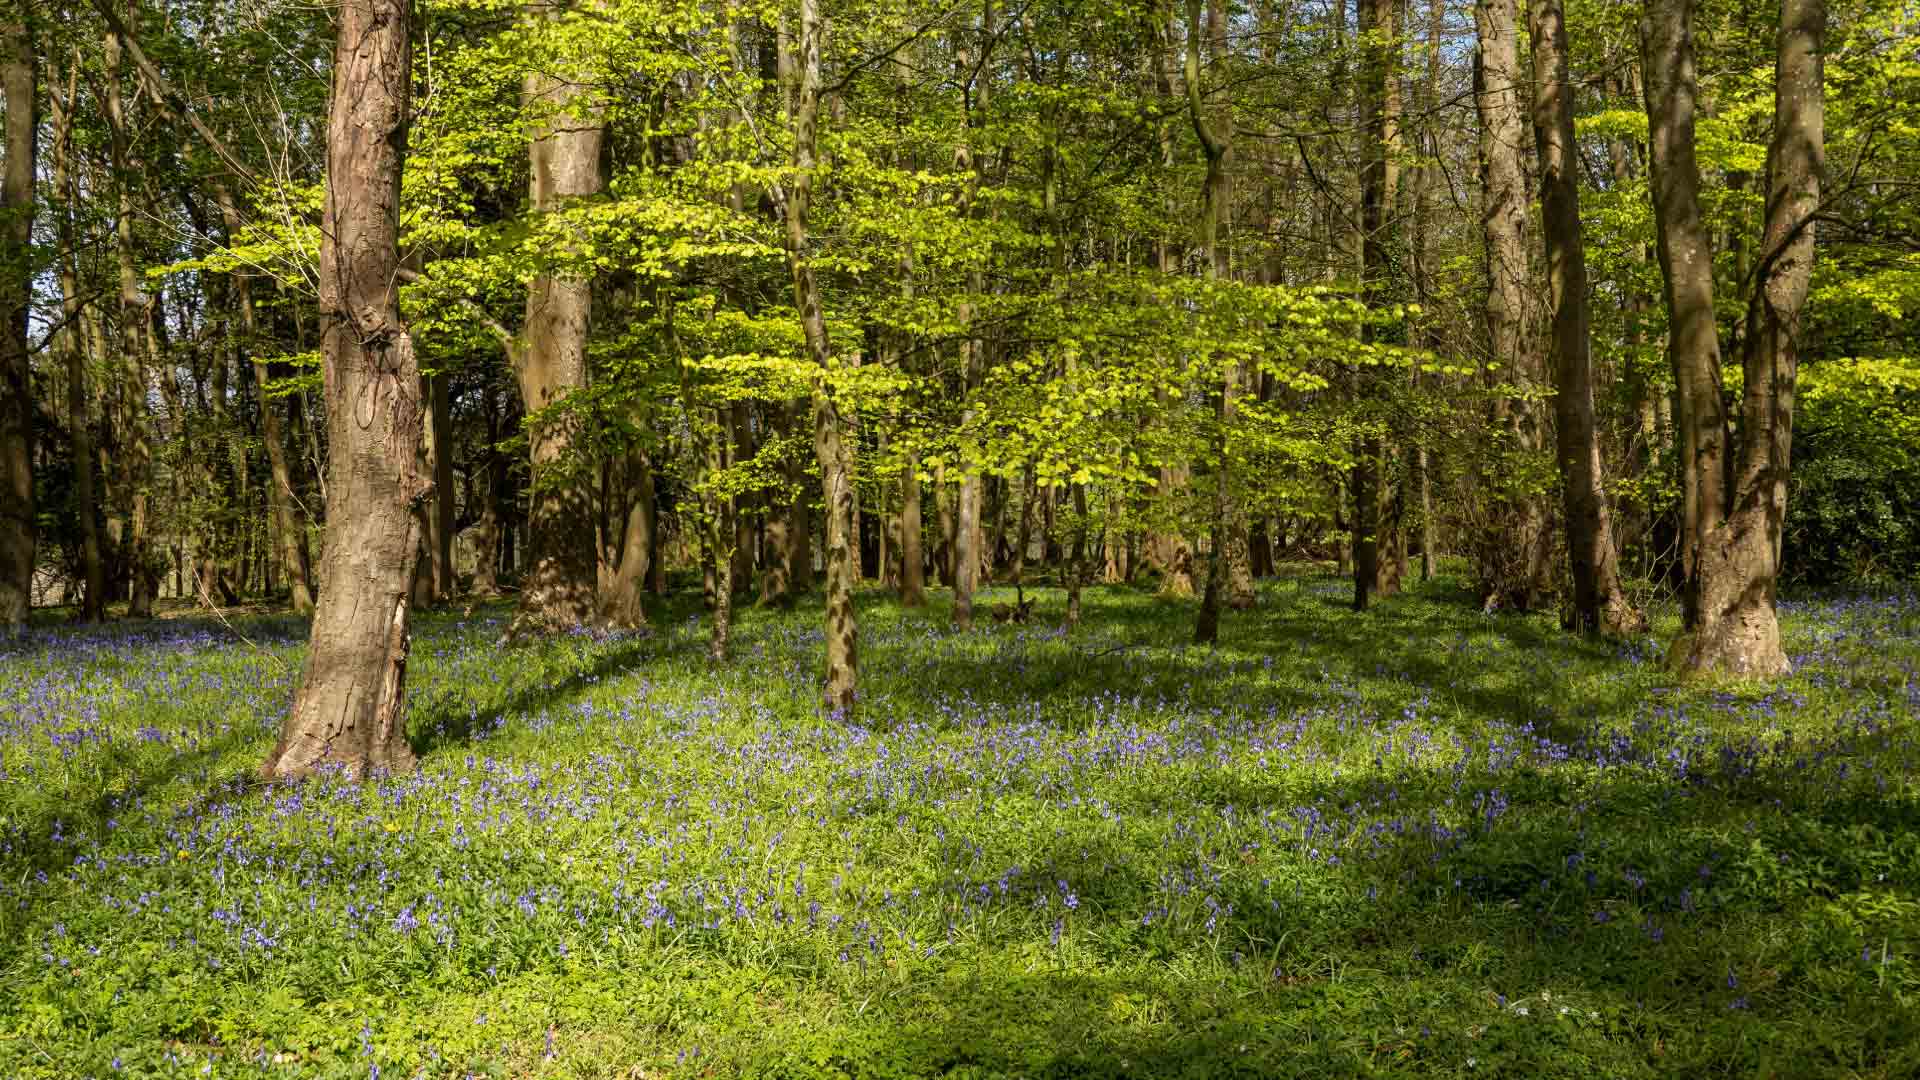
(1421, 841)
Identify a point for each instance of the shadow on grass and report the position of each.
(1301, 642)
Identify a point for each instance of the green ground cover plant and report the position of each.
(1424, 841)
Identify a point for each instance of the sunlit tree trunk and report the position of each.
(1737, 493)
(1215, 133)
(563, 567)
(967, 554)
(620, 600)
(1599, 605)
(842, 631)
(943, 555)
(1167, 544)
(1423, 269)
(1796, 158)
(913, 566)
(350, 710)
(1511, 562)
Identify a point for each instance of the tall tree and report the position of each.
(1376, 199)
(289, 518)
(562, 570)
(19, 81)
(350, 710)
(829, 445)
(1736, 488)
(1796, 160)
(1214, 128)
(968, 558)
(137, 348)
(1599, 606)
(1512, 560)
(620, 600)
(72, 333)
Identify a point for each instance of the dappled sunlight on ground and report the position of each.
(1422, 840)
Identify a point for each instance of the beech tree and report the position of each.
(1051, 293)
(1735, 485)
(551, 364)
(1512, 559)
(829, 437)
(1598, 603)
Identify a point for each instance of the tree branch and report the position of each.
(508, 340)
(171, 98)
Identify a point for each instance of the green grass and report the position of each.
(1421, 841)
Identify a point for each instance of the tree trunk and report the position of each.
(1376, 29)
(350, 710)
(1077, 568)
(913, 565)
(1169, 546)
(776, 585)
(1511, 561)
(1423, 275)
(714, 514)
(19, 77)
(74, 345)
(289, 520)
(944, 521)
(620, 601)
(842, 631)
(1343, 531)
(136, 349)
(422, 593)
(800, 519)
(489, 522)
(1735, 504)
(1599, 606)
(966, 539)
(995, 552)
(741, 450)
(718, 536)
(886, 524)
(1215, 133)
(1023, 533)
(563, 568)
(440, 437)
(967, 555)
(1686, 264)
(1796, 157)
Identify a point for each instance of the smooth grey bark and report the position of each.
(560, 590)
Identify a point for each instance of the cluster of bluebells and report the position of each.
(1188, 801)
